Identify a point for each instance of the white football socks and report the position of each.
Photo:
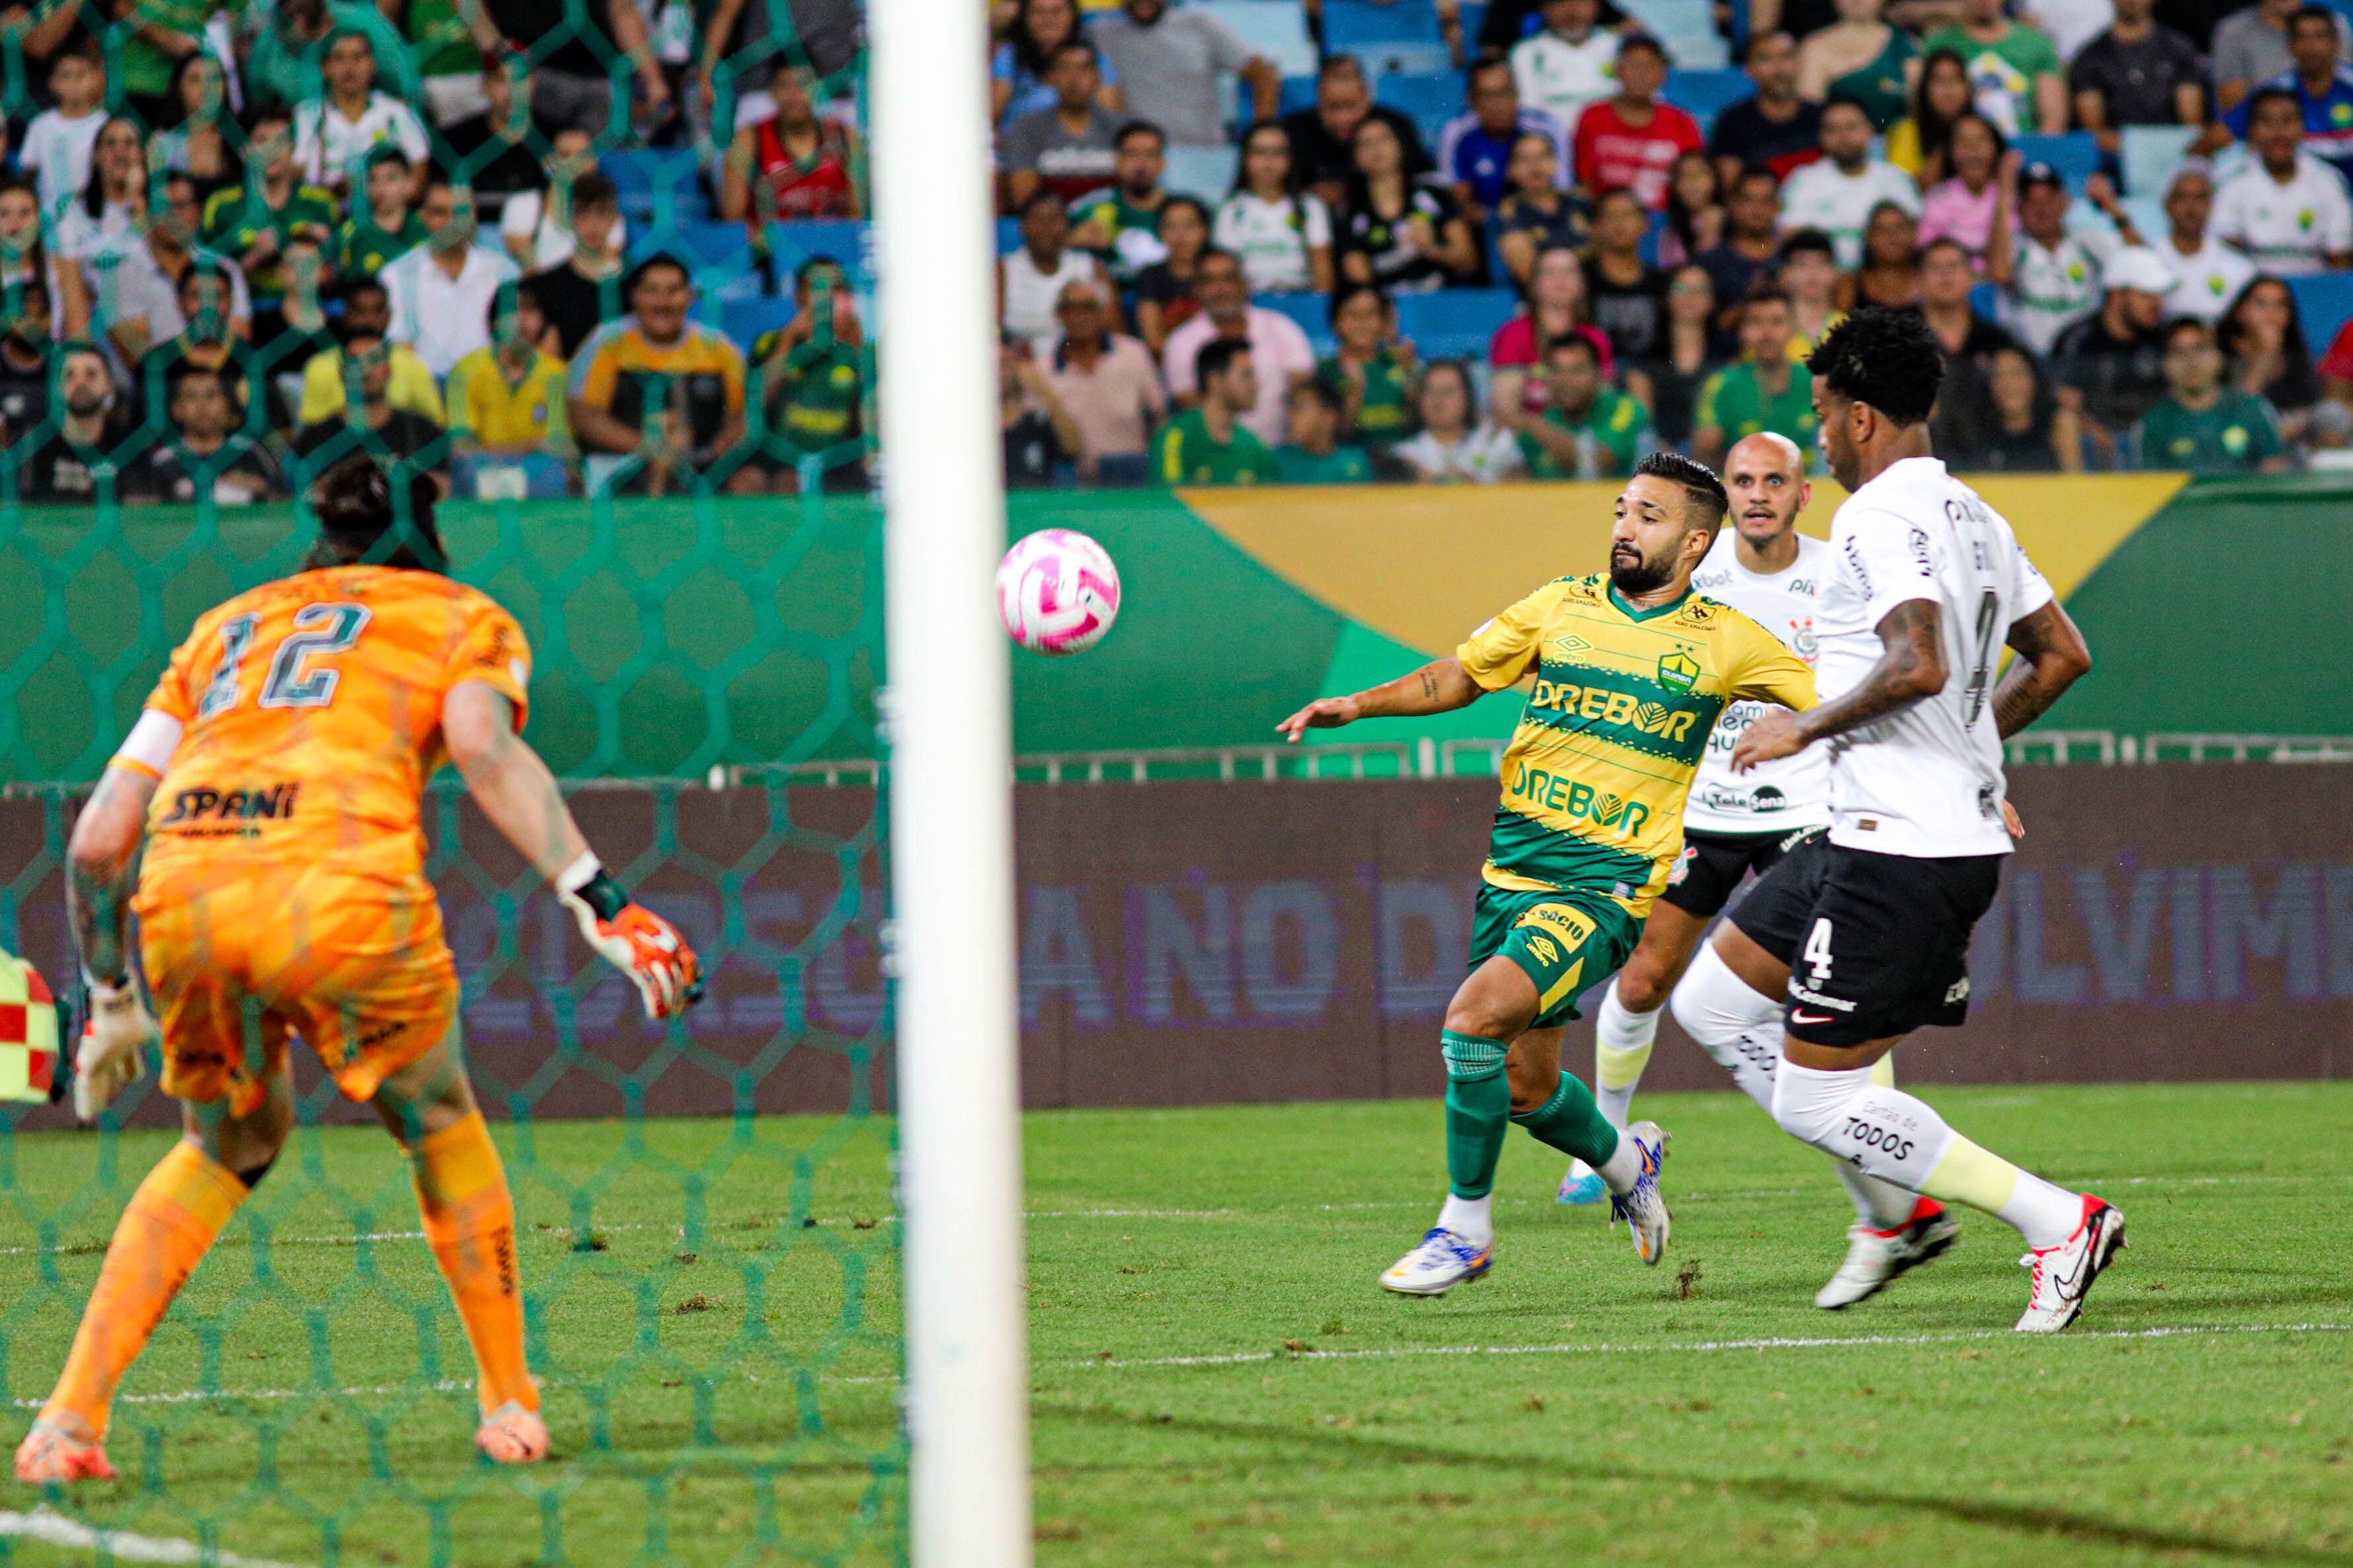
(1900, 1137)
(1473, 1219)
(1741, 1028)
(1622, 1039)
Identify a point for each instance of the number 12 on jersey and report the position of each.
(320, 631)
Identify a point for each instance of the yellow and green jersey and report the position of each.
(1624, 701)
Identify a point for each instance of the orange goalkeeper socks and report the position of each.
(461, 1191)
(163, 1235)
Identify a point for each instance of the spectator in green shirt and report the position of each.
(1208, 444)
(1372, 370)
(1590, 431)
(382, 224)
(1312, 455)
(2202, 426)
(2014, 68)
(1766, 390)
(1122, 223)
(274, 227)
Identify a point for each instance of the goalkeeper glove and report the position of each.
(632, 938)
(114, 1049)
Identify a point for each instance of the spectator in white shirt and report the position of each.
(536, 225)
(2207, 274)
(335, 133)
(1283, 235)
(2287, 210)
(1030, 280)
(2050, 279)
(1568, 65)
(1455, 445)
(1837, 193)
(441, 291)
(1279, 348)
(57, 142)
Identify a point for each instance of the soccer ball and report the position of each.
(1057, 592)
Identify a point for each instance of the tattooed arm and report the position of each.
(98, 870)
(2051, 657)
(1439, 686)
(1910, 667)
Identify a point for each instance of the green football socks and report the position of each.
(1478, 1109)
(1571, 1123)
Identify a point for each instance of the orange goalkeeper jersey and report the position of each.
(311, 715)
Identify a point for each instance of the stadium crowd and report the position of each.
(1661, 273)
(616, 247)
(239, 241)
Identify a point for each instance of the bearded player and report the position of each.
(1857, 938)
(275, 777)
(1632, 671)
(1736, 825)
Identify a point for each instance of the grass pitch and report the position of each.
(1219, 1380)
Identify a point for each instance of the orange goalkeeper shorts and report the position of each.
(239, 956)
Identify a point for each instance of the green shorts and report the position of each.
(1565, 942)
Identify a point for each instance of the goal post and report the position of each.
(951, 808)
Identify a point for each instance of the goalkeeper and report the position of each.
(276, 777)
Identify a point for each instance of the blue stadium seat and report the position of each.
(2075, 155)
(655, 184)
(1429, 101)
(1008, 235)
(1312, 312)
(1405, 60)
(742, 321)
(1298, 93)
(2150, 155)
(1474, 17)
(1278, 32)
(2324, 300)
(1204, 172)
(1704, 94)
(1687, 28)
(842, 239)
(1454, 322)
(1359, 26)
(699, 243)
(1985, 301)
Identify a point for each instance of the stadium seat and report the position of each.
(2149, 155)
(1382, 60)
(1278, 32)
(1298, 93)
(1312, 312)
(742, 321)
(1008, 235)
(1429, 101)
(1985, 301)
(1474, 17)
(2075, 155)
(840, 239)
(1454, 322)
(1360, 26)
(1204, 172)
(2324, 300)
(1704, 94)
(1650, 238)
(1687, 28)
(655, 184)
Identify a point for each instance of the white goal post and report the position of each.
(951, 805)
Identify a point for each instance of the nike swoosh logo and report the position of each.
(2070, 1285)
(1798, 1018)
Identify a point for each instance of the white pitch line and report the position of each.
(1684, 1347)
(54, 1529)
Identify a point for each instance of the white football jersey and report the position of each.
(1795, 792)
(1926, 782)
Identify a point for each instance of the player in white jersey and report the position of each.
(1740, 824)
(1857, 938)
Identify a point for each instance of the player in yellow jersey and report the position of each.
(1631, 670)
(275, 778)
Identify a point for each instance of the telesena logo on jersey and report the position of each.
(1794, 792)
(1926, 782)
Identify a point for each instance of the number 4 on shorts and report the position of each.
(1818, 949)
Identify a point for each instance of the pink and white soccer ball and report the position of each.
(1057, 592)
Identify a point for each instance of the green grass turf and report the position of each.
(739, 1406)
